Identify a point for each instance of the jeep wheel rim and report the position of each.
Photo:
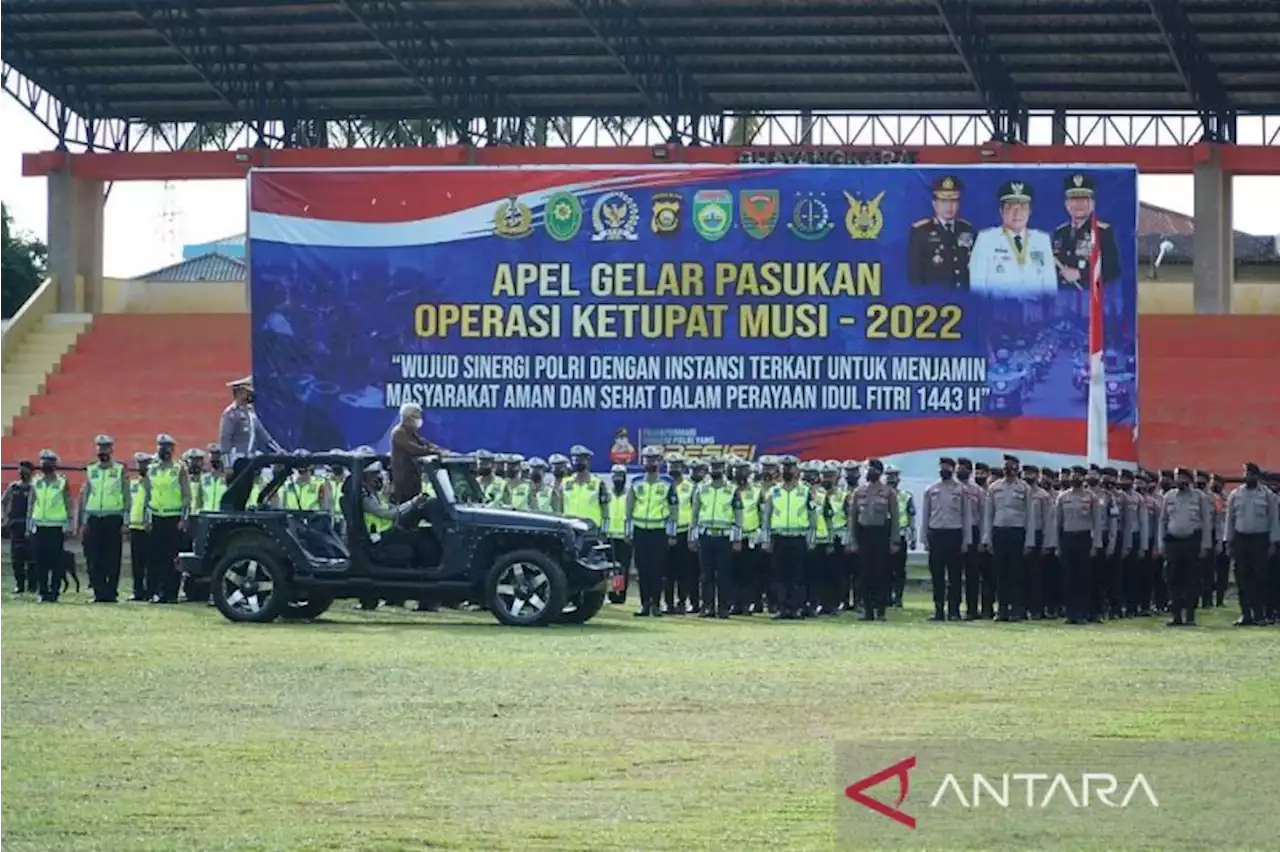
(523, 590)
(247, 586)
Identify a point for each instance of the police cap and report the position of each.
(139, 458)
(195, 453)
(1108, 471)
(875, 464)
(1015, 191)
(1030, 468)
(514, 458)
(1079, 470)
(579, 450)
(715, 461)
(556, 458)
(831, 467)
(25, 465)
(1011, 459)
(651, 452)
(165, 439)
(1126, 474)
(981, 466)
(104, 441)
(891, 470)
(700, 464)
(789, 460)
(1166, 473)
(536, 463)
(215, 450)
(1078, 185)
(947, 188)
(852, 464)
(48, 455)
(1184, 471)
(946, 461)
(964, 462)
(618, 469)
(674, 458)
(1202, 475)
(483, 455)
(245, 383)
(1250, 467)
(739, 462)
(768, 461)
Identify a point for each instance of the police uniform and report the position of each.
(617, 524)
(1013, 265)
(946, 508)
(1221, 558)
(979, 585)
(788, 525)
(833, 515)
(873, 520)
(170, 502)
(1073, 243)
(750, 579)
(715, 532)
(49, 518)
(584, 495)
(1186, 539)
(937, 250)
(906, 510)
(1215, 523)
(1009, 533)
(240, 431)
(17, 506)
(649, 522)
(140, 527)
(1251, 530)
(1133, 538)
(1076, 532)
(1033, 585)
(680, 584)
(104, 505)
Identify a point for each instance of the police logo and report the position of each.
(563, 216)
(1078, 180)
(665, 219)
(712, 213)
(863, 220)
(512, 219)
(758, 212)
(966, 240)
(811, 219)
(614, 217)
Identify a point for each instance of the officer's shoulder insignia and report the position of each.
(920, 223)
(1102, 225)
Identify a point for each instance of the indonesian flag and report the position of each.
(1097, 436)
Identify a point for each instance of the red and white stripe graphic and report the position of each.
(1096, 449)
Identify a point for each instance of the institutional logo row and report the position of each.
(615, 216)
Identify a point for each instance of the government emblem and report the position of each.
(758, 212)
(863, 220)
(665, 219)
(811, 218)
(513, 219)
(712, 213)
(614, 218)
(563, 216)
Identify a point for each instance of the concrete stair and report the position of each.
(36, 357)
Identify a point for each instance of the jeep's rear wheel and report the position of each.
(314, 607)
(526, 588)
(583, 607)
(250, 583)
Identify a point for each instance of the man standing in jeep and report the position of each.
(407, 446)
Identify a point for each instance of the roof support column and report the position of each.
(1213, 264)
(75, 227)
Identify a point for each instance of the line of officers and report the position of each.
(1090, 543)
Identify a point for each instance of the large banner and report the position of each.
(832, 312)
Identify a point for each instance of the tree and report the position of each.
(23, 265)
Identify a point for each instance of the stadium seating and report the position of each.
(31, 364)
(133, 376)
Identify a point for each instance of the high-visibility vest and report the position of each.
(823, 529)
(49, 508)
(137, 504)
(715, 506)
(518, 496)
(212, 488)
(684, 505)
(904, 520)
(166, 490)
(106, 489)
(428, 487)
(540, 499)
(618, 514)
(789, 510)
(839, 512)
(373, 523)
(582, 500)
(302, 496)
(652, 505)
(750, 495)
(493, 492)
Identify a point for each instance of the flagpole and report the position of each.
(1096, 448)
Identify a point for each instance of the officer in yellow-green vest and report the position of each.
(541, 489)
(680, 585)
(516, 495)
(650, 520)
(194, 457)
(213, 484)
(305, 492)
(104, 505)
(491, 482)
(170, 505)
(140, 526)
(906, 536)
(584, 495)
(749, 577)
(49, 518)
(617, 523)
(827, 556)
(818, 558)
(790, 522)
(513, 477)
(715, 534)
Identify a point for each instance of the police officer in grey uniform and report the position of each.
(1252, 533)
(240, 432)
(873, 535)
(1186, 537)
(1009, 533)
(1076, 532)
(948, 529)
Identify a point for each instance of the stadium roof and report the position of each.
(225, 60)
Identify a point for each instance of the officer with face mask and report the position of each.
(1186, 540)
(906, 510)
(680, 587)
(789, 524)
(50, 517)
(1162, 599)
(559, 468)
(104, 505)
(1077, 524)
(1251, 530)
(1050, 564)
(170, 505)
(140, 528)
(17, 506)
(617, 523)
(539, 497)
(850, 588)
(873, 535)
(1009, 533)
(650, 519)
(584, 495)
(948, 527)
(974, 559)
(1221, 559)
(491, 482)
(749, 579)
(715, 533)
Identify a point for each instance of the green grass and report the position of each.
(138, 727)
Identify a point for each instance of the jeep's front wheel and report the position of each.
(583, 607)
(526, 588)
(250, 583)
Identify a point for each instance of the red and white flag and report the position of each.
(1097, 435)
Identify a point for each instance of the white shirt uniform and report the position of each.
(996, 267)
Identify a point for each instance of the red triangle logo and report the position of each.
(900, 770)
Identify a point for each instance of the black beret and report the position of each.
(981, 466)
(30, 466)
(1009, 458)
(1249, 467)
(1094, 467)
(876, 464)
(1126, 474)
(1030, 468)
(962, 462)
(947, 460)
(1183, 471)
(1108, 471)
(1079, 470)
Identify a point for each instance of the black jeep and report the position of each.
(265, 563)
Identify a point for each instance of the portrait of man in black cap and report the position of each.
(939, 246)
(1013, 260)
(1073, 239)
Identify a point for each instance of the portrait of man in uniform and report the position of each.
(1013, 260)
(1073, 239)
(939, 246)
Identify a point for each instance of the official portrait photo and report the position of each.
(939, 246)
(1013, 260)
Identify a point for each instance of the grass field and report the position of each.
(137, 727)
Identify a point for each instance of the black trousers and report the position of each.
(873, 548)
(898, 572)
(1272, 586)
(1100, 576)
(138, 555)
(1133, 577)
(1077, 572)
(1183, 573)
(1221, 573)
(817, 574)
(20, 555)
(680, 582)
(1250, 551)
(1033, 584)
(787, 571)
(1007, 547)
(650, 548)
(1160, 597)
(946, 568)
(976, 567)
(622, 551)
(715, 559)
(852, 584)
(47, 544)
(162, 576)
(1051, 584)
(103, 550)
(749, 577)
